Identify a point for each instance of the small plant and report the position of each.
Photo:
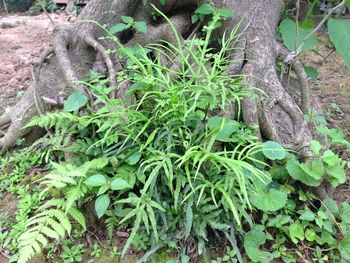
(128, 22)
(229, 257)
(96, 251)
(72, 254)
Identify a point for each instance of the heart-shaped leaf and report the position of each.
(288, 29)
(273, 150)
(75, 101)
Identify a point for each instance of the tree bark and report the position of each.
(277, 114)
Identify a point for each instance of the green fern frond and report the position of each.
(48, 224)
(77, 216)
(73, 194)
(59, 119)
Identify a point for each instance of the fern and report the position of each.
(59, 119)
(53, 218)
(50, 223)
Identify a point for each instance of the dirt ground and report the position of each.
(22, 39)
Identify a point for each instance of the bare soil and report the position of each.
(22, 40)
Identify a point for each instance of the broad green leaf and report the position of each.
(336, 174)
(127, 19)
(134, 158)
(224, 126)
(162, 2)
(120, 184)
(310, 235)
(252, 242)
(103, 189)
(96, 180)
(205, 9)
(288, 30)
(269, 200)
(345, 213)
(326, 238)
(194, 19)
(312, 72)
(75, 101)
(273, 150)
(118, 28)
(315, 146)
(307, 215)
(330, 158)
(344, 247)
(329, 205)
(339, 33)
(140, 26)
(315, 169)
(225, 12)
(296, 232)
(296, 172)
(101, 205)
(185, 259)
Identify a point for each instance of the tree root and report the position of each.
(91, 41)
(299, 70)
(64, 36)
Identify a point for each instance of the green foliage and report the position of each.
(252, 241)
(175, 170)
(273, 151)
(72, 254)
(207, 9)
(159, 169)
(294, 36)
(339, 34)
(128, 22)
(75, 101)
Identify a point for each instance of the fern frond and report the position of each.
(59, 119)
(50, 223)
(73, 194)
(77, 216)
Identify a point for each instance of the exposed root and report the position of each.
(63, 37)
(299, 71)
(91, 41)
(5, 118)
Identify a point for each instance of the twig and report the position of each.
(319, 26)
(294, 54)
(98, 240)
(326, 57)
(297, 24)
(48, 15)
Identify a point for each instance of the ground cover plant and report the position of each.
(172, 165)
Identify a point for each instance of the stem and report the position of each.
(5, 6)
(319, 26)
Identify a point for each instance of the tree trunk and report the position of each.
(278, 111)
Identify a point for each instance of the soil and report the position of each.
(22, 39)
